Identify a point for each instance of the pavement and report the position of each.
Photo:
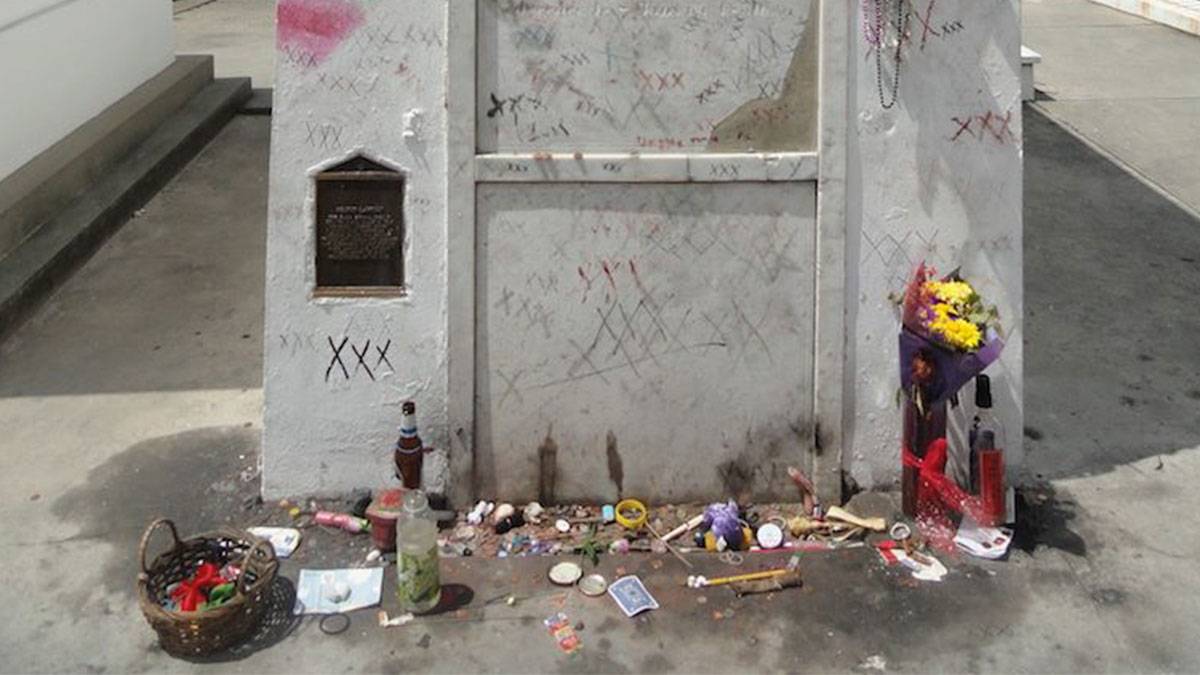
(136, 392)
(240, 34)
(1129, 85)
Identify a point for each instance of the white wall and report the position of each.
(915, 192)
(65, 61)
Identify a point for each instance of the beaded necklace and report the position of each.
(875, 35)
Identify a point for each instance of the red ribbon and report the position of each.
(190, 593)
(937, 493)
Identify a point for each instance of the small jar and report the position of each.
(418, 582)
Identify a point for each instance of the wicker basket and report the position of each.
(202, 633)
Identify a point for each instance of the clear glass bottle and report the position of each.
(418, 583)
(414, 505)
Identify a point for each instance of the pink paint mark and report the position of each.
(608, 273)
(316, 27)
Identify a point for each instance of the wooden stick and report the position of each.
(694, 522)
(669, 547)
(753, 576)
(838, 513)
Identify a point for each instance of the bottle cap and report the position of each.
(983, 391)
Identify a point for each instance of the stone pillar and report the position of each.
(356, 81)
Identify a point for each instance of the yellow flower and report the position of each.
(958, 333)
(958, 293)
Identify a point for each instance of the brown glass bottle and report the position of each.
(409, 448)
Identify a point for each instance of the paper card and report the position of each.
(631, 595)
(983, 542)
(335, 591)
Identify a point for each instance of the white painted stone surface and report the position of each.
(65, 62)
(659, 336)
(621, 76)
(936, 176)
(346, 81)
(919, 189)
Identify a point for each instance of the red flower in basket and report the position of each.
(191, 593)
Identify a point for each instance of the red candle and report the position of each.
(991, 485)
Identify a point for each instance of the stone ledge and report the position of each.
(34, 193)
(51, 252)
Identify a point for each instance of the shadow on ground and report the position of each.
(1112, 273)
(200, 479)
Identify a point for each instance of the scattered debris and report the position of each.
(686, 527)
(593, 585)
(392, 622)
(342, 521)
(284, 540)
(808, 493)
(481, 511)
(631, 596)
(509, 522)
(502, 511)
(704, 582)
(631, 514)
(924, 566)
(874, 662)
(564, 635)
(383, 513)
(724, 524)
(608, 513)
(789, 579)
(533, 513)
(769, 536)
(565, 573)
(990, 543)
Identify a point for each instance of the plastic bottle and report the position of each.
(343, 521)
(418, 583)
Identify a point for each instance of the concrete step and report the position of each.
(34, 269)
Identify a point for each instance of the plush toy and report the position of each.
(722, 519)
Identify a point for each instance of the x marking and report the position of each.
(337, 358)
(361, 359)
(382, 352)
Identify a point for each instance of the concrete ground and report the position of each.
(1129, 85)
(240, 34)
(135, 392)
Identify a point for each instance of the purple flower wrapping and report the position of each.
(951, 369)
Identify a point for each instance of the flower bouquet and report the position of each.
(947, 337)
